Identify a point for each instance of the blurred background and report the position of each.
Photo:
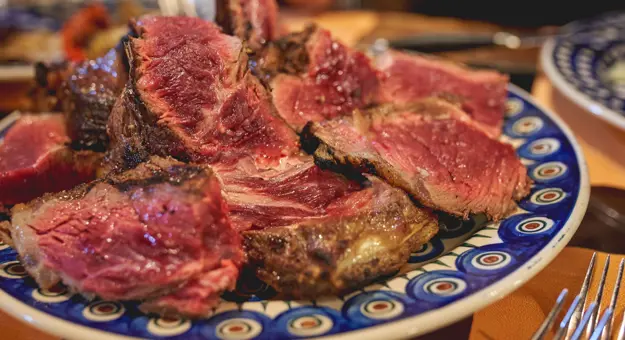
(54, 30)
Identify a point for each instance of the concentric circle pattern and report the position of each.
(466, 257)
(584, 58)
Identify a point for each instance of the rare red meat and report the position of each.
(191, 96)
(158, 232)
(261, 198)
(253, 21)
(409, 77)
(315, 77)
(35, 159)
(432, 150)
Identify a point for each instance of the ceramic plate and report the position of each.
(467, 266)
(580, 65)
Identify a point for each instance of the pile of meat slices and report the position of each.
(195, 149)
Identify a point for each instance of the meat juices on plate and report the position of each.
(159, 233)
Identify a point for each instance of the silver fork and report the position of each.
(582, 319)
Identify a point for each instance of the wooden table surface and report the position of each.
(602, 144)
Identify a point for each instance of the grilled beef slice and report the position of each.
(481, 93)
(190, 95)
(314, 77)
(159, 233)
(85, 92)
(369, 236)
(253, 21)
(35, 159)
(431, 149)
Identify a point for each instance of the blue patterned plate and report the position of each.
(580, 65)
(462, 270)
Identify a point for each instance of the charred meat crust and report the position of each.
(285, 55)
(293, 260)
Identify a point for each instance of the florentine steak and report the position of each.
(314, 77)
(266, 181)
(85, 92)
(253, 21)
(480, 93)
(35, 159)
(158, 232)
(377, 230)
(431, 149)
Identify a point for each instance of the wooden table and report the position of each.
(602, 144)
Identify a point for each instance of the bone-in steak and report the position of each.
(315, 77)
(159, 232)
(35, 159)
(373, 235)
(431, 149)
(481, 93)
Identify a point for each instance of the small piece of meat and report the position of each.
(429, 148)
(340, 253)
(35, 159)
(297, 190)
(191, 96)
(253, 21)
(409, 77)
(159, 232)
(85, 92)
(314, 77)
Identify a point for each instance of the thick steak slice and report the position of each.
(85, 92)
(339, 253)
(158, 232)
(263, 198)
(253, 21)
(315, 77)
(482, 94)
(428, 149)
(35, 159)
(191, 96)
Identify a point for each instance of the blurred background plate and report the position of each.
(588, 66)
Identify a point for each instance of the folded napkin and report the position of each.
(518, 315)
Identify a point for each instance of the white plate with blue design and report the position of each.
(588, 65)
(463, 269)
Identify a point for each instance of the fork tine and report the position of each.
(601, 326)
(577, 313)
(617, 287)
(567, 318)
(592, 323)
(579, 331)
(551, 317)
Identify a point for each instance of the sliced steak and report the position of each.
(35, 159)
(263, 198)
(85, 92)
(482, 94)
(190, 95)
(431, 149)
(372, 236)
(253, 21)
(315, 77)
(159, 232)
